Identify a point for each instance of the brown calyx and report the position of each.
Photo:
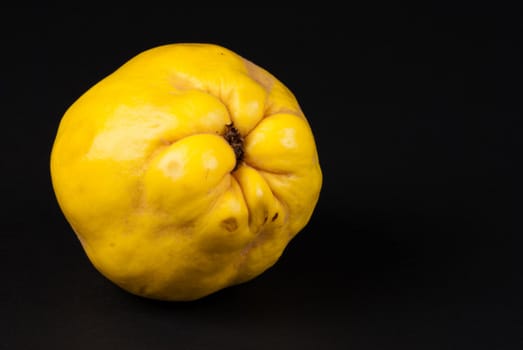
(235, 139)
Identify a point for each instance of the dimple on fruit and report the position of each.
(187, 170)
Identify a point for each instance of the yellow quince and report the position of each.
(187, 170)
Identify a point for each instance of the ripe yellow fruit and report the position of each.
(187, 170)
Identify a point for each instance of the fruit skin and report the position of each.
(144, 176)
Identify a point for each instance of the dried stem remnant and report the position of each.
(235, 139)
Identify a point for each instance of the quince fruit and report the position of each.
(187, 170)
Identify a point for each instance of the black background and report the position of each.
(415, 242)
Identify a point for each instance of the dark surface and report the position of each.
(415, 242)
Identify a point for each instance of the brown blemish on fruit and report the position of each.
(174, 167)
(274, 217)
(259, 75)
(230, 224)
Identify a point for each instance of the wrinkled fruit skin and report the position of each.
(144, 175)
